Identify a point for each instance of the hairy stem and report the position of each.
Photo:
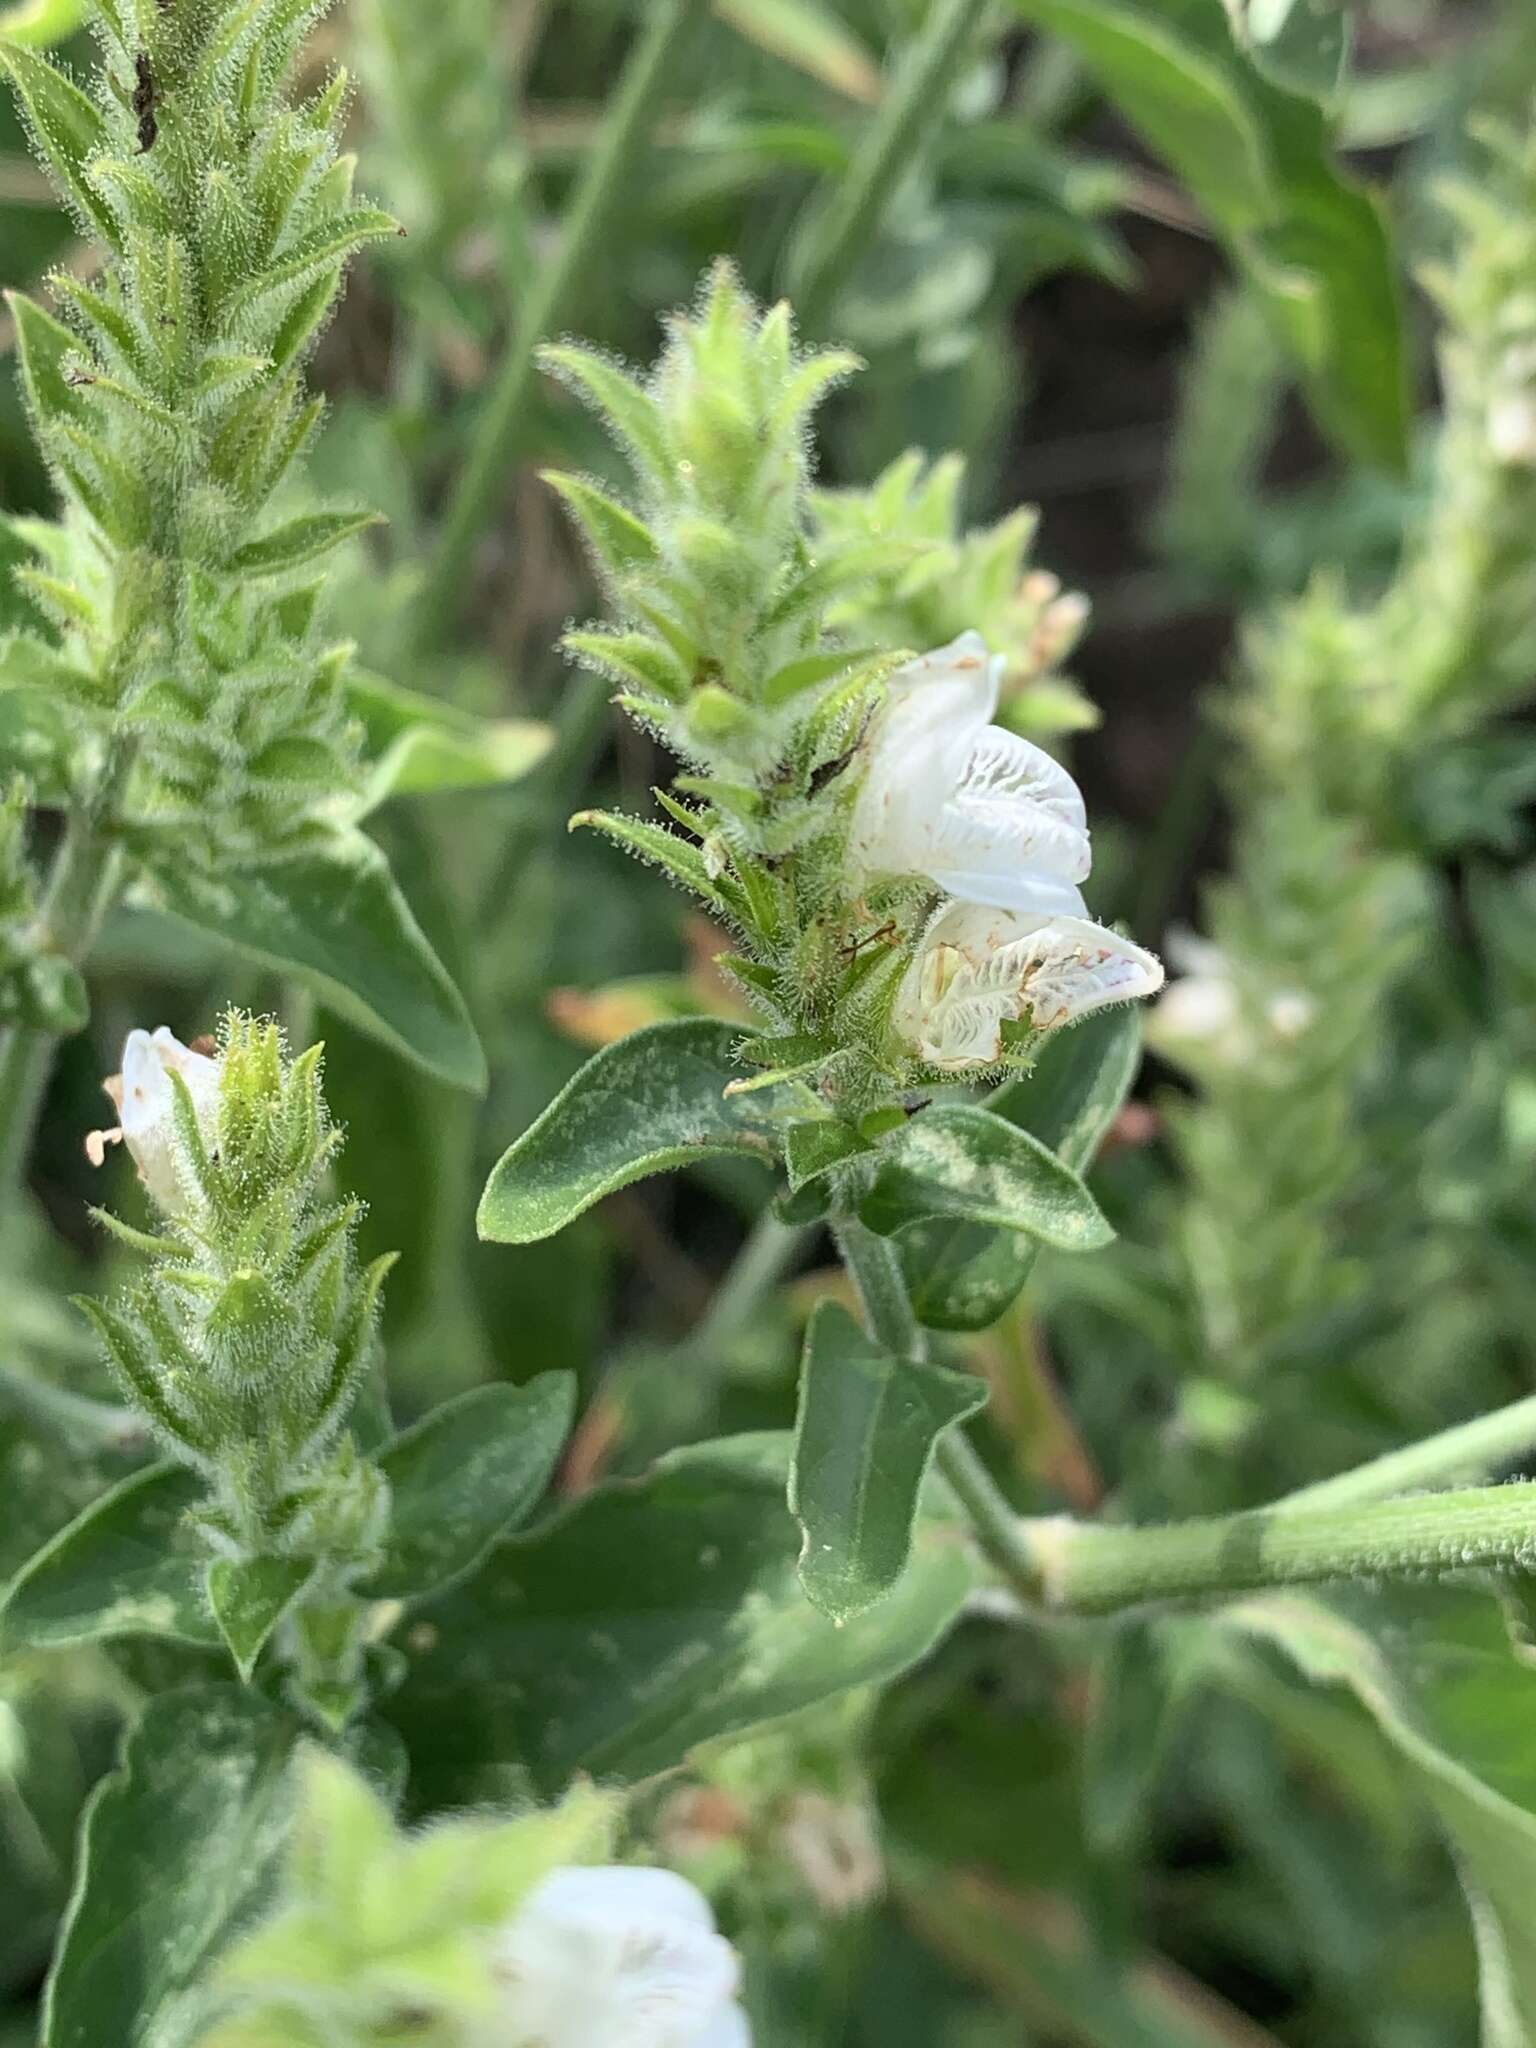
(610, 169)
(1457, 1453)
(914, 104)
(84, 877)
(875, 1268)
(1086, 1569)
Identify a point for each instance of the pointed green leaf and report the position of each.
(249, 1597)
(865, 1435)
(655, 1100)
(619, 540)
(961, 1275)
(45, 345)
(126, 1566)
(814, 1147)
(628, 409)
(654, 843)
(180, 1849)
(648, 1619)
(956, 1161)
(298, 541)
(68, 130)
(466, 1475)
(336, 920)
(308, 266)
(425, 744)
(810, 670)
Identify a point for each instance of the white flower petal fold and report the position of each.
(977, 968)
(984, 814)
(146, 1105)
(619, 1958)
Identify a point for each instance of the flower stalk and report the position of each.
(1083, 1569)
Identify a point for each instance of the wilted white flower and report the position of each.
(987, 816)
(146, 1106)
(978, 968)
(1201, 1012)
(619, 1958)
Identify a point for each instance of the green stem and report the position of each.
(611, 169)
(916, 102)
(1084, 1569)
(1458, 1453)
(79, 889)
(770, 1249)
(875, 1268)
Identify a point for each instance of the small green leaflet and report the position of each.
(865, 1436)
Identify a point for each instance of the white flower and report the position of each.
(619, 1958)
(1201, 1013)
(146, 1107)
(982, 813)
(977, 969)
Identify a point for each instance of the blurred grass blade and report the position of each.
(810, 37)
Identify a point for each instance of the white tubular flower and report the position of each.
(982, 813)
(619, 1958)
(146, 1107)
(977, 969)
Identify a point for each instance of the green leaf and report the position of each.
(646, 1620)
(628, 409)
(810, 36)
(616, 537)
(467, 1474)
(968, 1163)
(299, 541)
(336, 920)
(425, 744)
(180, 1848)
(653, 1101)
(1256, 159)
(961, 1275)
(68, 130)
(40, 24)
(1435, 1668)
(675, 856)
(126, 1566)
(1303, 45)
(865, 1435)
(814, 1147)
(249, 1597)
(309, 262)
(45, 345)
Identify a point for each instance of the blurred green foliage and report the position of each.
(1183, 1830)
